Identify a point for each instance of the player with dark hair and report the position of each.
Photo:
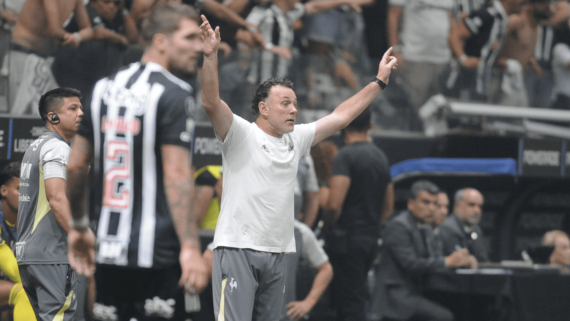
(43, 213)
(137, 132)
(260, 161)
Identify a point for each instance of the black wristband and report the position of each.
(379, 82)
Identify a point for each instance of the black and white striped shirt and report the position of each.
(276, 27)
(488, 27)
(129, 116)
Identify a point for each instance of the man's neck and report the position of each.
(61, 133)
(151, 55)
(9, 216)
(355, 137)
(266, 127)
(282, 5)
(530, 18)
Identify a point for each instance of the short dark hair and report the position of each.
(362, 122)
(423, 185)
(165, 18)
(54, 98)
(263, 91)
(562, 33)
(12, 170)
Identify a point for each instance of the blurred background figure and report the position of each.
(561, 66)
(561, 253)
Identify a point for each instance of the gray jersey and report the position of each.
(41, 239)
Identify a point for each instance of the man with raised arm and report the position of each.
(260, 159)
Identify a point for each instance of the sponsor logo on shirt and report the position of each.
(159, 307)
(265, 149)
(291, 147)
(120, 125)
(24, 198)
(105, 313)
(20, 250)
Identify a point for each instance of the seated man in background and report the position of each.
(409, 255)
(561, 253)
(438, 219)
(461, 230)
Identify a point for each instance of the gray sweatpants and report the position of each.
(51, 290)
(248, 284)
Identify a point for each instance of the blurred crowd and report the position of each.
(508, 52)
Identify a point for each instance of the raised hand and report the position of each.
(387, 64)
(210, 39)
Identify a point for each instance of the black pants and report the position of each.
(348, 287)
(427, 310)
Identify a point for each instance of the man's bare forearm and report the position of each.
(179, 190)
(321, 282)
(210, 82)
(77, 175)
(61, 212)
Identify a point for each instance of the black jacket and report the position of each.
(452, 234)
(406, 260)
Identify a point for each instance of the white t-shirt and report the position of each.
(425, 28)
(561, 69)
(259, 179)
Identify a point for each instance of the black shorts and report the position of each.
(144, 294)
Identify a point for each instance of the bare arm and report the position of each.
(131, 30)
(314, 7)
(237, 6)
(561, 13)
(105, 34)
(296, 310)
(310, 208)
(77, 170)
(224, 13)
(56, 189)
(179, 188)
(394, 16)
(339, 188)
(457, 34)
(52, 14)
(388, 205)
(218, 111)
(82, 19)
(204, 195)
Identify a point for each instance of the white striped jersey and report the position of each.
(128, 117)
(276, 28)
(488, 27)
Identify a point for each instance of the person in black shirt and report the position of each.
(361, 194)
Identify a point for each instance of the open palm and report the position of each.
(210, 38)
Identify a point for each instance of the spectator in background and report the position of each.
(408, 256)
(307, 249)
(561, 253)
(306, 190)
(517, 55)
(39, 30)
(561, 66)
(476, 42)
(418, 32)
(463, 8)
(438, 219)
(81, 68)
(9, 189)
(442, 209)
(539, 85)
(323, 154)
(361, 195)
(208, 194)
(461, 230)
(275, 20)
